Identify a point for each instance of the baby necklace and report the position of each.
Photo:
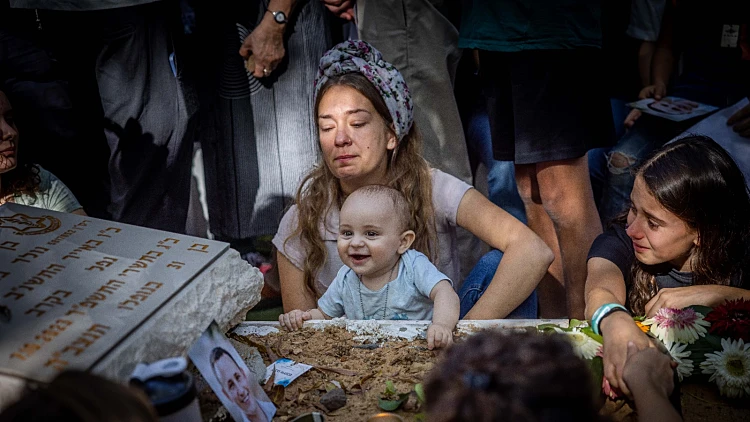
(387, 286)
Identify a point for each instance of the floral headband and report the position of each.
(356, 56)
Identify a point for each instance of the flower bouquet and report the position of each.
(709, 344)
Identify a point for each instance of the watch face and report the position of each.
(280, 17)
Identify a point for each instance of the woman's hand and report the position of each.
(634, 115)
(295, 319)
(619, 329)
(682, 297)
(264, 47)
(656, 91)
(344, 9)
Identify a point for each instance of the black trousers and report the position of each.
(123, 85)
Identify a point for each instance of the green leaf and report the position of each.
(419, 389)
(550, 327)
(590, 332)
(597, 373)
(704, 310)
(391, 405)
(574, 323)
(390, 388)
(420, 417)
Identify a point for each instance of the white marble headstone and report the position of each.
(84, 293)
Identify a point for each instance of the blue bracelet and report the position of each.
(602, 312)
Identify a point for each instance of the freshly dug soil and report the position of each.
(362, 371)
(337, 359)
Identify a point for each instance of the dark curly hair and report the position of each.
(494, 376)
(79, 396)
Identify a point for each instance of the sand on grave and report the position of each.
(339, 357)
(336, 359)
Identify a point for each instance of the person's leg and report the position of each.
(647, 134)
(565, 193)
(501, 181)
(480, 277)
(151, 156)
(551, 289)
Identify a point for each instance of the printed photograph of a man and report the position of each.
(237, 387)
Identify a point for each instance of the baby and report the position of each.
(382, 278)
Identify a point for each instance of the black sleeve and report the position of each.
(614, 245)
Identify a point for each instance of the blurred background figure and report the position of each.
(537, 62)
(78, 396)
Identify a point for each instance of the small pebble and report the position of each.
(334, 399)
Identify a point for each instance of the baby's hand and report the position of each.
(294, 319)
(439, 335)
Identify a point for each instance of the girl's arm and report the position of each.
(444, 315)
(526, 257)
(294, 293)
(707, 295)
(605, 283)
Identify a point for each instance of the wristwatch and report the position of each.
(279, 17)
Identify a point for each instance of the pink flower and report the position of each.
(677, 325)
(608, 390)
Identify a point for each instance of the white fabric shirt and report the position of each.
(52, 195)
(447, 192)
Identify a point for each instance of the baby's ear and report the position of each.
(407, 238)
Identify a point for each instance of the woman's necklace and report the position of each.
(387, 287)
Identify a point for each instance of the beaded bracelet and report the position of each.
(602, 312)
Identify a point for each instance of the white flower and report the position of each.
(584, 346)
(677, 325)
(730, 368)
(678, 353)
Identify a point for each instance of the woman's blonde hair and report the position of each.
(407, 172)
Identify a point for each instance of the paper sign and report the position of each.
(286, 371)
(230, 378)
(72, 287)
(673, 108)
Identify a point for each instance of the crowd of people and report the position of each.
(351, 163)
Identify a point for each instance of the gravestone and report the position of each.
(79, 292)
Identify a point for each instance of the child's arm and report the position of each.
(444, 315)
(649, 374)
(294, 319)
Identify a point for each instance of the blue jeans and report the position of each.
(480, 278)
(647, 134)
(501, 176)
(597, 157)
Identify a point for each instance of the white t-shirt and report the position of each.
(447, 192)
(52, 195)
(406, 297)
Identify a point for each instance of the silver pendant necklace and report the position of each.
(387, 287)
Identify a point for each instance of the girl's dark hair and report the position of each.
(494, 376)
(695, 179)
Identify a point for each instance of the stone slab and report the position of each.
(98, 295)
